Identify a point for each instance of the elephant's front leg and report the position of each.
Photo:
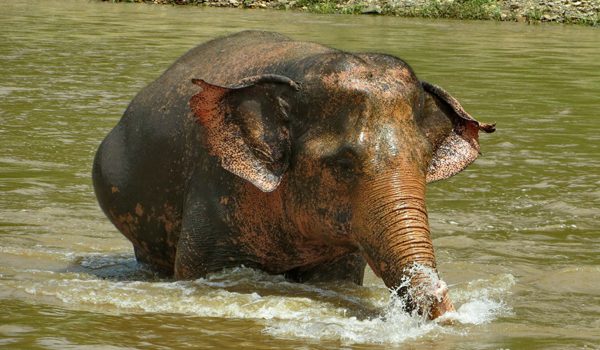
(204, 245)
(350, 267)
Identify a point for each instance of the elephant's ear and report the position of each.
(246, 126)
(453, 133)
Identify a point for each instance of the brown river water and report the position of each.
(517, 234)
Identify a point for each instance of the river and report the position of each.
(516, 234)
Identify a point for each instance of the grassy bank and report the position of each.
(586, 12)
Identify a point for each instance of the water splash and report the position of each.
(482, 302)
(394, 325)
(346, 313)
(420, 286)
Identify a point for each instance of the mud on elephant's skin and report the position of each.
(286, 156)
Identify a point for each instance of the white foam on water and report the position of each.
(482, 303)
(393, 326)
(285, 309)
(477, 311)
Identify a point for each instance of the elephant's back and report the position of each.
(159, 125)
(161, 108)
(157, 140)
(225, 61)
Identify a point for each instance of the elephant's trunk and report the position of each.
(394, 235)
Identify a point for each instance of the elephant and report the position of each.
(290, 157)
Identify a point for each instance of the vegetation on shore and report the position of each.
(585, 12)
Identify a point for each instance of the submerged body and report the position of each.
(286, 156)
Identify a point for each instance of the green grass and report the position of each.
(457, 9)
(460, 9)
(329, 6)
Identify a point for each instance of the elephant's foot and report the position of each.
(157, 264)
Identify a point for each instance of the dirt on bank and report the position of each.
(585, 12)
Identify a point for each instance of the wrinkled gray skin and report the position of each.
(286, 156)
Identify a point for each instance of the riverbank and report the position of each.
(586, 12)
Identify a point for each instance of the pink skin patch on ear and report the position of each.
(453, 155)
(222, 140)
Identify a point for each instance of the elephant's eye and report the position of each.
(344, 162)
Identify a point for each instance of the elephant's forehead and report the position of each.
(365, 130)
(373, 81)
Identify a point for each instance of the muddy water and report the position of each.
(517, 234)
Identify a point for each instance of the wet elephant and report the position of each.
(286, 156)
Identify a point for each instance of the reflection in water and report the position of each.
(515, 234)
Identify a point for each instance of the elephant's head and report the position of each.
(351, 149)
